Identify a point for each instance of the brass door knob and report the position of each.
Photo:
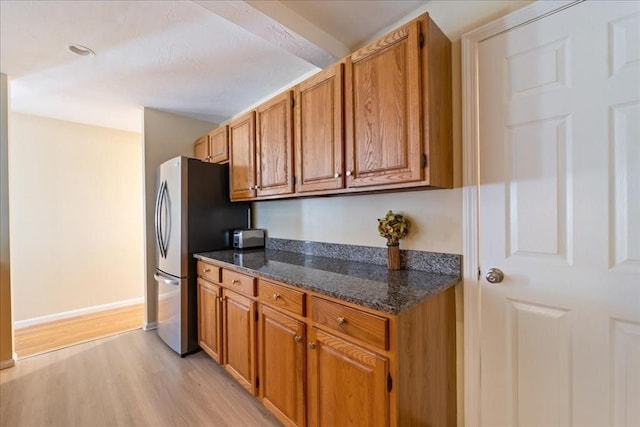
(276, 296)
(312, 345)
(297, 339)
(341, 320)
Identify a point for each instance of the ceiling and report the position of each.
(203, 59)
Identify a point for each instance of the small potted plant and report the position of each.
(393, 227)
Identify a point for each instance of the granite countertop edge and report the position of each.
(411, 287)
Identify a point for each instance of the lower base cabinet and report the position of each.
(320, 362)
(282, 366)
(347, 384)
(239, 338)
(209, 319)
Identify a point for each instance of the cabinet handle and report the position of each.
(276, 296)
(235, 282)
(348, 173)
(337, 175)
(341, 320)
(206, 270)
(257, 187)
(297, 339)
(312, 345)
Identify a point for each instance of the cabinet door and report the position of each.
(274, 146)
(282, 366)
(239, 338)
(209, 319)
(201, 148)
(242, 157)
(347, 384)
(383, 113)
(219, 144)
(319, 136)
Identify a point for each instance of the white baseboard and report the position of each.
(10, 363)
(18, 324)
(149, 326)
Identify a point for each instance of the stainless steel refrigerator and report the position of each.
(192, 214)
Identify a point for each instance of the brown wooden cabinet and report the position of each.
(238, 337)
(380, 120)
(347, 383)
(201, 148)
(398, 110)
(242, 159)
(355, 365)
(274, 146)
(282, 373)
(219, 145)
(319, 131)
(210, 318)
(213, 147)
(383, 110)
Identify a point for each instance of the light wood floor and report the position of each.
(131, 379)
(63, 333)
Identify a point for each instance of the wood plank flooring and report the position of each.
(131, 379)
(62, 333)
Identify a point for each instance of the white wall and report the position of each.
(6, 321)
(165, 136)
(76, 216)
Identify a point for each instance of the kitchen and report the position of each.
(436, 213)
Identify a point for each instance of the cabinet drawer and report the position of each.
(281, 297)
(367, 327)
(209, 272)
(239, 282)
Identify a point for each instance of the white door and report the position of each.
(559, 215)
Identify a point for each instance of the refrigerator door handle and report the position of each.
(165, 219)
(157, 220)
(167, 280)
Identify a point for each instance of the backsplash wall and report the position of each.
(435, 217)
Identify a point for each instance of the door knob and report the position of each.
(494, 275)
(297, 339)
(312, 345)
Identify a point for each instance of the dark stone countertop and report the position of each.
(360, 283)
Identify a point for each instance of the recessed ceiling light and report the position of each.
(78, 49)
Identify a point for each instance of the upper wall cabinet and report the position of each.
(319, 131)
(201, 148)
(274, 146)
(381, 120)
(242, 159)
(213, 147)
(398, 110)
(219, 145)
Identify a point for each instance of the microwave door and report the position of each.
(169, 219)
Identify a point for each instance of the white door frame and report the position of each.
(470, 201)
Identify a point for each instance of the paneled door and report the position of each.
(559, 217)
